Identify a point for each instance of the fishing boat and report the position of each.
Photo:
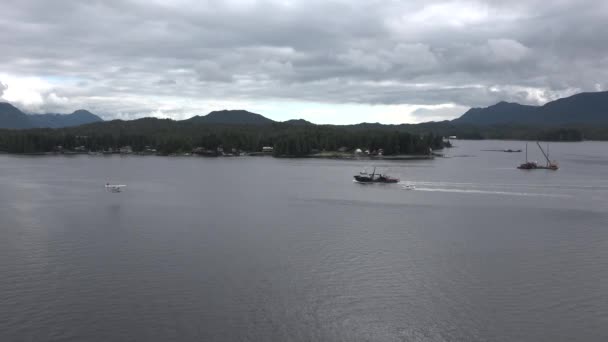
(532, 165)
(364, 177)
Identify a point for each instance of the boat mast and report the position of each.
(526, 152)
(373, 173)
(544, 154)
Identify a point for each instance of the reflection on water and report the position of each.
(269, 249)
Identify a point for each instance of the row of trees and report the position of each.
(391, 143)
(173, 137)
(167, 136)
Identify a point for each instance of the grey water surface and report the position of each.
(263, 249)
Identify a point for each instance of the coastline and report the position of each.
(343, 156)
(325, 155)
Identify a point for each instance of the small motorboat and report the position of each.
(114, 187)
(364, 177)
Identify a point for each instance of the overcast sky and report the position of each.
(326, 61)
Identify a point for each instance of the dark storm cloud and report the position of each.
(467, 53)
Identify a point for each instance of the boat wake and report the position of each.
(562, 186)
(490, 192)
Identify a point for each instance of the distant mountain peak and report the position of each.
(296, 122)
(6, 105)
(82, 112)
(232, 117)
(582, 108)
(12, 117)
(507, 103)
(230, 111)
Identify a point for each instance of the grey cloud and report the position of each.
(342, 51)
(439, 114)
(3, 87)
(210, 71)
(166, 82)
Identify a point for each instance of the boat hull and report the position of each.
(382, 180)
(533, 166)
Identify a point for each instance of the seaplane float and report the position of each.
(114, 187)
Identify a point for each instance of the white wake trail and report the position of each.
(489, 192)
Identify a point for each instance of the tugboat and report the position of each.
(532, 165)
(365, 177)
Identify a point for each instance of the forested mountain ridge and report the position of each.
(582, 116)
(169, 136)
(13, 118)
(582, 109)
(232, 117)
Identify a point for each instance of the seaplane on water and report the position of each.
(114, 187)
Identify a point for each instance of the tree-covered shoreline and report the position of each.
(165, 136)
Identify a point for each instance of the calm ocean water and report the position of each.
(262, 249)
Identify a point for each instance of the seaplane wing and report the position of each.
(114, 187)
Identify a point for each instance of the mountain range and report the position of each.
(583, 108)
(13, 118)
(579, 109)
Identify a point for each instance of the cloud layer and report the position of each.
(180, 58)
